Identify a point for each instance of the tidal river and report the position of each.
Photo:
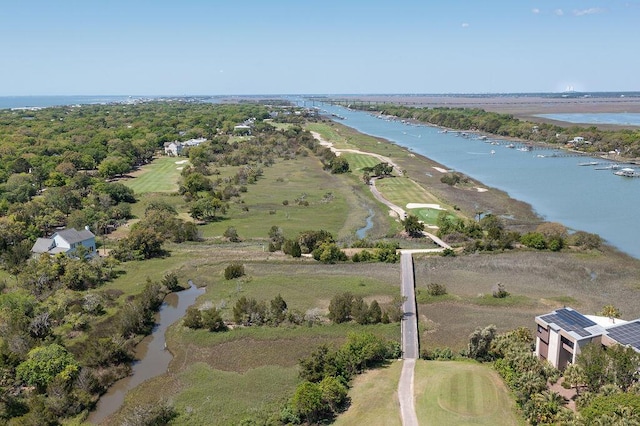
(152, 355)
(558, 189)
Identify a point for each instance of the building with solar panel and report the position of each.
(562, 333)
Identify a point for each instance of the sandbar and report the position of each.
(424, 206)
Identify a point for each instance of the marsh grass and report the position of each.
(538, 282)
(301, 284)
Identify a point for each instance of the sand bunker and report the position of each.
(481, 189)
(441, 170)
(424, 206)
(179, 168)
(182, 161)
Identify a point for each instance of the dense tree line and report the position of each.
(490, 233)
(625, 140)
(327, 372)
(44, 379)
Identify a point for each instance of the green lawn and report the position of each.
(374, 398)
(401, 192)
(462, 393)
(357, 162)
(161, 175)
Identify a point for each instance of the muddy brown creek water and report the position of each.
(152, 355)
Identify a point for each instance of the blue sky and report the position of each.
(215, 47)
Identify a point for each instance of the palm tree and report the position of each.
(574, 375)
(545, 406)
(611, 311)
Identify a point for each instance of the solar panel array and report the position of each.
(570, 320)
(626, 334)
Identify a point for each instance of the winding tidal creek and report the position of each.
(152, 355)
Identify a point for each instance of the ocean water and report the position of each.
(626, 118)
(8, 102)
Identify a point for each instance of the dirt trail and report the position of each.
(337, 151)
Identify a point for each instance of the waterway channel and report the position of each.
(152, 355)
(558, 189)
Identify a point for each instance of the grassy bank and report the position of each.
(374, 398)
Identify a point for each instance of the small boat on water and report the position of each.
(627, 172)
(588, 163)
(609, 167)
(525, 149)
(510, 145)
(493, 152)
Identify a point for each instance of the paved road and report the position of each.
(410, 320)
(410, 350)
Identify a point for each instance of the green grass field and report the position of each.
(462, 393)
(161, 175)
(374, 399)
(334, 205)
(357, 162)
(402, 191)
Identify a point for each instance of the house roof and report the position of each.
(626, 334)
(580, 327)
(71, 235)
(573, 322)
(42, 245)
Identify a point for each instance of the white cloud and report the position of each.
(535, 11)
(465, 25)
(591, 11)
(558, 12)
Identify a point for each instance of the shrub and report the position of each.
(193, 318)
(500, 292)
(231, 234)
(292, 248)
(170, 281)
(435, 289)
(212, 320)
(329, 253)
(448, 252)
(451, 179)
(534, 240)
(235, 270)
(437, 354)
(340, 307)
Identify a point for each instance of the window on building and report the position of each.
(566, 341)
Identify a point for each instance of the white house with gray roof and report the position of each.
(175, 148)
(66, 241)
